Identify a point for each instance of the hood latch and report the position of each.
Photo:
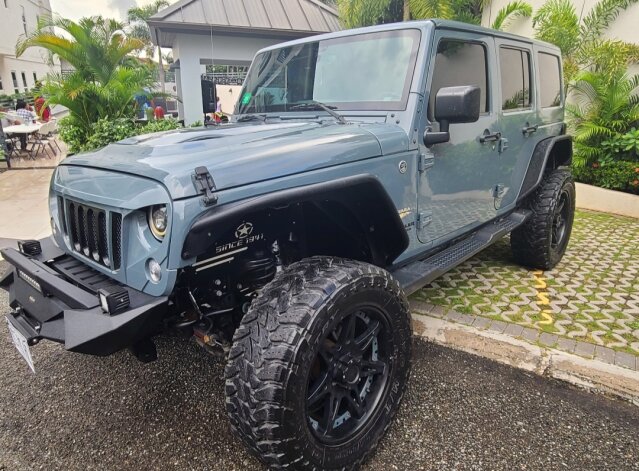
(204, 184)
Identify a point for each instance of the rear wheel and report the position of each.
(319, 364)
(541, 242)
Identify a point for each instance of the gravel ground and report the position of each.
(460, 412)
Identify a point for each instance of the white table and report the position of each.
(24, 129)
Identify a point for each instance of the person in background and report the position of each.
(27, 117)
(23, 112)
(158, 113)
(44, 112)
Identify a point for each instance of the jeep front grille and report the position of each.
(88, 230)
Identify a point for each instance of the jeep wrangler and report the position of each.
(359, 166)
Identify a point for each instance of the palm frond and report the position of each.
(512, 10)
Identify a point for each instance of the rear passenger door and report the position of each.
(518, 117)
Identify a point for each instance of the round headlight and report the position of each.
(158, 220)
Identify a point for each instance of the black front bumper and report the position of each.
(66, 307)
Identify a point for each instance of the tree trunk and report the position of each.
(161, 69)
(406, 16)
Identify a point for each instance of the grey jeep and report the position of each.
(359, 167)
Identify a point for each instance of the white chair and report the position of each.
(53, 124)
(42, 141)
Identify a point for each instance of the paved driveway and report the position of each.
(460, 412)
(591, 296)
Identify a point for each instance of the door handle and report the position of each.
(527, 129)
(490, 137)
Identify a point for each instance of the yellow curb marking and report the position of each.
(542, 297)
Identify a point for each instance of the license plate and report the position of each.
(21, 344)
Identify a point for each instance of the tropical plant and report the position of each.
(355, 13)
(511, 11)
(581, 40)
(605, 107)
(105, 79)
(615, 175)
(108, 130)
(137, 23)
(625, 146)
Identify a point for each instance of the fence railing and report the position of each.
(225, 78)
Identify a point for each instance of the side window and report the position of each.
(549, 80)
(516, 91)
(459, 63)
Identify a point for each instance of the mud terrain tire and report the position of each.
(311, 338)
(542, 240)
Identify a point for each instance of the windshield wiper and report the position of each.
(314, 105)
(251, 117)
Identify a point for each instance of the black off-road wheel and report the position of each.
(542, 240)
(319, 365)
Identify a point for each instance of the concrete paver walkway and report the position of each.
(24, 206)
(588, 304)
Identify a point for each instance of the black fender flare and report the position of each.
(363, 196)
(550, 153)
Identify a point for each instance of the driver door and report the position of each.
(456, 184)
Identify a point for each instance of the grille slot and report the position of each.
(62, 212)
(87, 228)
(116, 236)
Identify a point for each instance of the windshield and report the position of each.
(362, 72)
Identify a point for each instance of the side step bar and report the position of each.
(417, 274)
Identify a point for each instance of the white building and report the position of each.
(18, 17)
(229, 33)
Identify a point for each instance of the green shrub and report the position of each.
(166, 124)
(106, 131)
(623, 146)
(614, 175)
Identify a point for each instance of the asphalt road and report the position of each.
(460, 412)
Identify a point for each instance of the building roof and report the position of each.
(284, 18)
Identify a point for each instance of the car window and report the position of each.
(516, 91)
(459, 63)
(549, 80)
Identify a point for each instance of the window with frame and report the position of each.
(549, 80)
(14, 78)
(516, 91)
(24, 20)
(35, 78)
(1, 88)
(459, 63)
(24, 80)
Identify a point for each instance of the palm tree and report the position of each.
(355, 13)
(603, 107)
(581, 40)
(137, 18)
(514, 9)
(105, 78)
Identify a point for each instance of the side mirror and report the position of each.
(453, 105)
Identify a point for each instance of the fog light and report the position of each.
(113, 299)
(30, 247)
(155, 270)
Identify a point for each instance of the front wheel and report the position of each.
(319, 364)
(541, 242)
